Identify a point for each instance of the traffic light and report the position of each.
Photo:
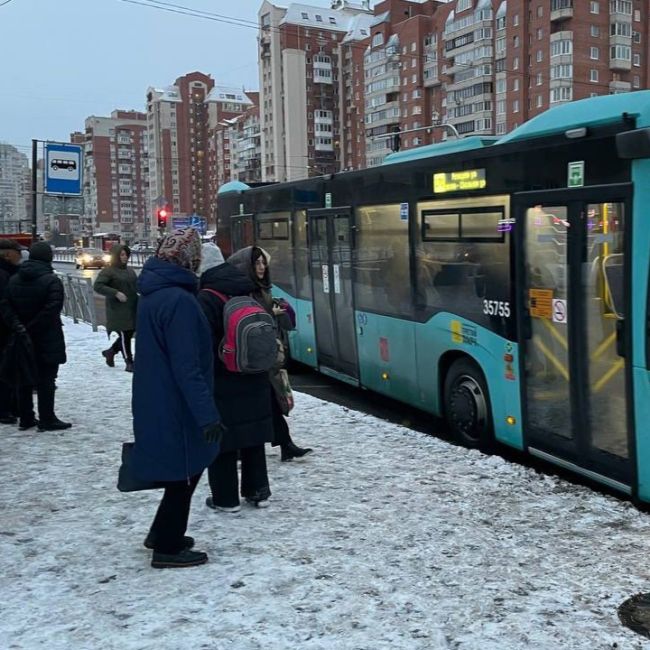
(162, 215)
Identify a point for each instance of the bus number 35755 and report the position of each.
(496, 308)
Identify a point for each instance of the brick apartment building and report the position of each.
(481, 66)
(246, 145)
(116, 175)
(299, 52)
(227, 105)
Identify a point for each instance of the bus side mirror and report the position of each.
(634, 144)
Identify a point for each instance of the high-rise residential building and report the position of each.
(14, 175)
(429, 70)
(225, 106)
(300, 102)
(179, 124)
(246, 146)
(116, 175)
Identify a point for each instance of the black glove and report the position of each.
(214, 432)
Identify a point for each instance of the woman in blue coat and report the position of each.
(176, 424)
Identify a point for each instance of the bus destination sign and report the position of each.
(468, 179)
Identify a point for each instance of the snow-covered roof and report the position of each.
(228, 94)
(381, 18)
(359, 28)
(338, 20)
(167, 94)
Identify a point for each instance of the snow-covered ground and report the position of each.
(384, 538)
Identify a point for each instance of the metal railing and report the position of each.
(79, 303)
(137, 258)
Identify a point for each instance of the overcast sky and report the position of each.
(63, 60)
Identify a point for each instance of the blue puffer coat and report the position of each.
(173, 377)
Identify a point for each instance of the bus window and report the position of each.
(273, 230)
(463, 261)
(381, 261)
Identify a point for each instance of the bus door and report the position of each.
(242, 231)
(574, 328)
(330, 259)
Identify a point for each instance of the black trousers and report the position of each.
(123, 344)
(281, 435)
(170, 523)
(224, 482)
(45, 389)
(8, 406)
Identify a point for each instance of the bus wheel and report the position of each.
(467, 405)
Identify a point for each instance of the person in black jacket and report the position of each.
(35, 294)
(10, 259)
(244, 400)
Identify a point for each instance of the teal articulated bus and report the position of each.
(499, 283)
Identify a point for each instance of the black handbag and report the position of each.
(127, 481)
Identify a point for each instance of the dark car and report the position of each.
(91, 258)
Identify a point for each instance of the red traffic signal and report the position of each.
(162, 215)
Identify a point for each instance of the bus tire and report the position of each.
(467, 405)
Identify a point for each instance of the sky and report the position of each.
(63, 60)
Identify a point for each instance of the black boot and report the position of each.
(150, 541)
(109, 355)
(53, 425)
(291, 451)
(184, 558)
(129, 366)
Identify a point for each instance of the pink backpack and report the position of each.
(249, 344)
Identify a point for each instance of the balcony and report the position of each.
(561, 10)
(616, 87)
(620, 65)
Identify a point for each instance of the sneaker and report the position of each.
(109, 355)
(129, 366)
(8, 419)
(184, 558)
(150, 541)
(25, 425)
(263, 503)
(231, 509)
(53, 425)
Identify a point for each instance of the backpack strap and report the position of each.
(219, 295)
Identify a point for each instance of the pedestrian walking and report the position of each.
(118, 283)
(10, 260)
(244, 400)
(254, 262)
(176, 424)
(35, 294)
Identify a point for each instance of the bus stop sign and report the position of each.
(576, 174)
(63, 169)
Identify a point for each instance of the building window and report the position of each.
(540, 56)
(515, 84)
(540, 101)
(463, 5)
(332, 20)
(622, 52)
(637, 15)
(414, 47)
(539, 79)
(377, 39)
(594, 7)
(595, 31)
(636, 37)
(540, 34)
(637, 60)
(515, 106)
(515, 63)
(305, 15)
(540, 11)
(593, 75)
(319, 18)
(515, 20)
(594, 53)
(563, 94)
(515, 41)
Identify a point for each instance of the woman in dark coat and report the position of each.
(176, 424)
(119, 284)
(244, 400)
(35, 295)
(253, 262)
